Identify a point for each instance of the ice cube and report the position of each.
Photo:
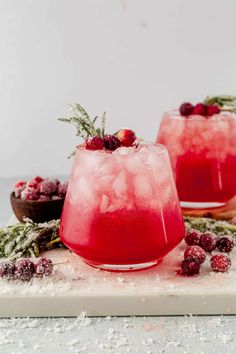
(166, 194)
(84, 190)
(92, 161)
(120, 184)
(104, 203)
(156, 163)
(104, 182)
(116, 204)
(142, 187)
(106, 168)
(154, 204)
(123, 151)
(134, 164)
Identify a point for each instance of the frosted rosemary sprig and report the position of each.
(219, 227)
(225, 102)
(84, 125)
(28, 239)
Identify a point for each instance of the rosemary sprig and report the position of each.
(225, 102)
(28, 239)
(219, 227)
(84, 125)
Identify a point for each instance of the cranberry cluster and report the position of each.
(125, 137)
(200, 243)
(40, 189)
(24, 269)
(186, 109)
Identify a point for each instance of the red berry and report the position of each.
(192, 237)
(38, 179)
(186, 109)
(94, 143)
(62, 189)
(190, 266)
(200, 109)
(29, 194)
(7, 270)
(220, 263)
(126, 136)
(48, 187)
(208, 241)
(196, 252)
(225, 244)
(32, 184)
(18, 188)
(24, 269)
(213, 109)
(43, 267)
(20, 184)
(111, 142)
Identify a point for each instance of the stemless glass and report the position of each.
(203, 156)
(121, 210)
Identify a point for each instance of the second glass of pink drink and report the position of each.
(203, 155)
(121, 210)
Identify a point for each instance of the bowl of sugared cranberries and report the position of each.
(39, 199)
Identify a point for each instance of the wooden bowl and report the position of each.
(38, 211)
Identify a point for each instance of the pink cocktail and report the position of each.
(121, 210)
(203, 156)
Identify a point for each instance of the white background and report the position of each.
(132, 58)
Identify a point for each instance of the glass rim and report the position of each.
(160, 149)
(174, 114)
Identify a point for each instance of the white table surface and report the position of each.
(189, 334)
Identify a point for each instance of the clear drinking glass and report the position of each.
(121, 210)
(203, 156)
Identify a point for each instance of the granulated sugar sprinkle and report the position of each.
(189, 334)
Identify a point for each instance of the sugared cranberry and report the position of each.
(38, 179)
(94, 143)
(61, 189)
(43, 267)
(213, 109)
(18, 188)
(33, 184)
(186, 109)
(220, 263)
(190, 266)
(19, 184)
(225, 244)
(200, 109)
(7, 270)
(196, 252)
(48, 187)
(29, 194)
(208, 241)
(24, 269)
(55, 180)
(111, 142)
(192, 237)
(126, 136)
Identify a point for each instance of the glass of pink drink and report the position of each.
(121, 210)
(203, 155)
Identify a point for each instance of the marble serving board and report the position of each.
(76, 287)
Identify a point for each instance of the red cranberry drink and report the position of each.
(201, 141)
(121, 210)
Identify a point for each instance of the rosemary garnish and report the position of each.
(219, 227)
(225, 102)
(85, 126)
(28, 239)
